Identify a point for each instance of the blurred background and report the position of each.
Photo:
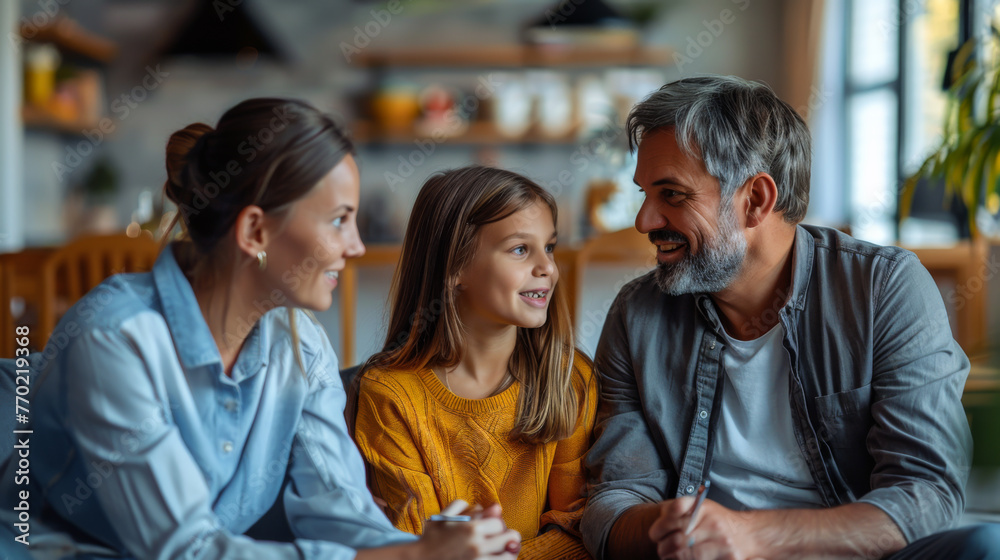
(902, 115)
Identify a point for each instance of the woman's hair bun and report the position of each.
(178, 147)
(266, 152)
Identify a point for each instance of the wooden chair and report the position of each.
(19, 274)
(376, 255)
(966, 265)
(6, 316)
(75, 269)
(625, 247)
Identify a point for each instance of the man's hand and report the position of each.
(717, 532)
(847, 531)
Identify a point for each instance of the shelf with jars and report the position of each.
(515, 56)
(500, 94)
(62, 79)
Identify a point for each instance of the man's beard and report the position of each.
(715, 265)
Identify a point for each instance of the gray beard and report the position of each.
(714, 267)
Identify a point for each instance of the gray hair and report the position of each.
(738, 128)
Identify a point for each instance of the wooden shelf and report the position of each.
(69, 37)
(478, 134)
(36, 118)
(515, 56)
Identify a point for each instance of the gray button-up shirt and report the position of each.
(875, 388)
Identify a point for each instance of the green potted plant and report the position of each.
(93, 206)
(968, 160)
(101, 185)
(968, 164)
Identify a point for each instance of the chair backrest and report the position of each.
(20, 275)
(6, 317)
(75, 269)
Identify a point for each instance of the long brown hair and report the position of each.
(425, 329)
(267, 152)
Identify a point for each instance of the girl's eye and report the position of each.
(550, 248)
(338, 221)
(519, 250)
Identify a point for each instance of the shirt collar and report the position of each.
(802, 261)
(803, 253)
(253, 356)
(192, 338)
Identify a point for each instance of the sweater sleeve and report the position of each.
(387, 431)
(567, 479)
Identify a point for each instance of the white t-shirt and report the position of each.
(756, 462)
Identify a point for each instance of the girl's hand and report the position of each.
(486, 537)
(513, 545)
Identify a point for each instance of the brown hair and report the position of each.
(425, 329)
(267, 152)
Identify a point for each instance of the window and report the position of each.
(887, 111)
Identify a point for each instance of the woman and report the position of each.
(184, 398)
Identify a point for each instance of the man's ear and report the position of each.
(759, 199)
(252, 234)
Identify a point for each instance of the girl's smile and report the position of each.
(536, 298)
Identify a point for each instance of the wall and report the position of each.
(746, 40)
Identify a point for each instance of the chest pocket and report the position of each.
(844, 422)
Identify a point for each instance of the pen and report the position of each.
(446, 517)
(700, 499)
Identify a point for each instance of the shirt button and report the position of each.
(230, 405)
(712, 347)
(703, 414)
(227, 447)
(689, 489)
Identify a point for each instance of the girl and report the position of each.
(180, 400)
(478, 393)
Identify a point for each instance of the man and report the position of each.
(811, 377)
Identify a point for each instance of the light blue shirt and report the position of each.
(143, 444)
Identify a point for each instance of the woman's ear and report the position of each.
(252, 234)
(456, 282)
(761, 196)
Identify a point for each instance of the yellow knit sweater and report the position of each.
(426, 446)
